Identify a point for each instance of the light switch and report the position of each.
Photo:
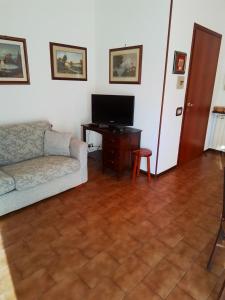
(180, 82)
(179, 111)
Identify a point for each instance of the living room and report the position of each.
(99, 26)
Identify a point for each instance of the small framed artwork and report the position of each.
(179, 62)
(13, 61)
(68, 62)
(125, 65)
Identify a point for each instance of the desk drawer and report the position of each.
(111, 141)
(110, 163)
(111, 152)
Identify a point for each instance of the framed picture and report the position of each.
(125, 65)
(13, 61)
(179, 62)
(68, 62)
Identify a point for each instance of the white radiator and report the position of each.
(218, 133)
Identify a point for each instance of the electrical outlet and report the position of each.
(90, 145)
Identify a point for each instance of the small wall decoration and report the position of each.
(125, 65)
(179, 63)
(68, 62)
(13, 61)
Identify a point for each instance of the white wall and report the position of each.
(129, 22)
(100, 25)
(66, 104)
(211, 15)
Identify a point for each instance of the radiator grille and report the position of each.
(218, 133)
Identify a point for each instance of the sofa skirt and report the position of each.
(15, 200)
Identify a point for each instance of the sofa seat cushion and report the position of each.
(30, 173)
(7, 183)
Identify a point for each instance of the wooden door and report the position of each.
(201, 78)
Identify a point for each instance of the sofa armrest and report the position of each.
(78, 149)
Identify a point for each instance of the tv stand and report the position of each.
(111, 127)
(102, 125)
(117, 146)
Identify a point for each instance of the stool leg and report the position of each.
(135, 167)
(148, 168)
(139, 164)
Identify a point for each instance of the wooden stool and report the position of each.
(138, 154)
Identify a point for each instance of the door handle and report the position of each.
(189, 104)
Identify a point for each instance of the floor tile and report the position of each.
(123, 248)
(130, 273)
(164, 278)
(198, 282)
(171, 235)
(142, 292)
(35, 261)
(153, 252)
(93, 244)
(144, 231)
(182, 255)
(162, 218)
(39, 281)
(106, 290)
(68, 289)
(66, 265)
(198, 238)
(102, 265)
(67, 244)
(178, 294)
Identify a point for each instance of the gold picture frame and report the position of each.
(68, 62)
(13, 61)
(125, 65)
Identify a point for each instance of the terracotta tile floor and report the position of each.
(111, 240)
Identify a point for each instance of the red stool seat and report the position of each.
(143, 152)
(138, 154)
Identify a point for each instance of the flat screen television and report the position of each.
(113, 110)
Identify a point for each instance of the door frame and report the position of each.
(207, 30)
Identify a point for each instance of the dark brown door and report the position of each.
(201, 78)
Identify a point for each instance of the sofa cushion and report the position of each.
(7, 183)
(30, 173)
(23, 141)
(57, 143)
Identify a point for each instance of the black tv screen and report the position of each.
(113, 109)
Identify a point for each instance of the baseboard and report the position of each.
(174, 167)
(213, 150)
(145, 173)
(160, 174)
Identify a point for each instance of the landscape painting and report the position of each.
(68, 62)
(125, 65)
(13, 61)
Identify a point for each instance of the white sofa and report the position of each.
(27, 175)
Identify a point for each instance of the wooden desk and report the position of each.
(117, 146)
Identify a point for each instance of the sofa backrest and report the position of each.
(22, 141)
